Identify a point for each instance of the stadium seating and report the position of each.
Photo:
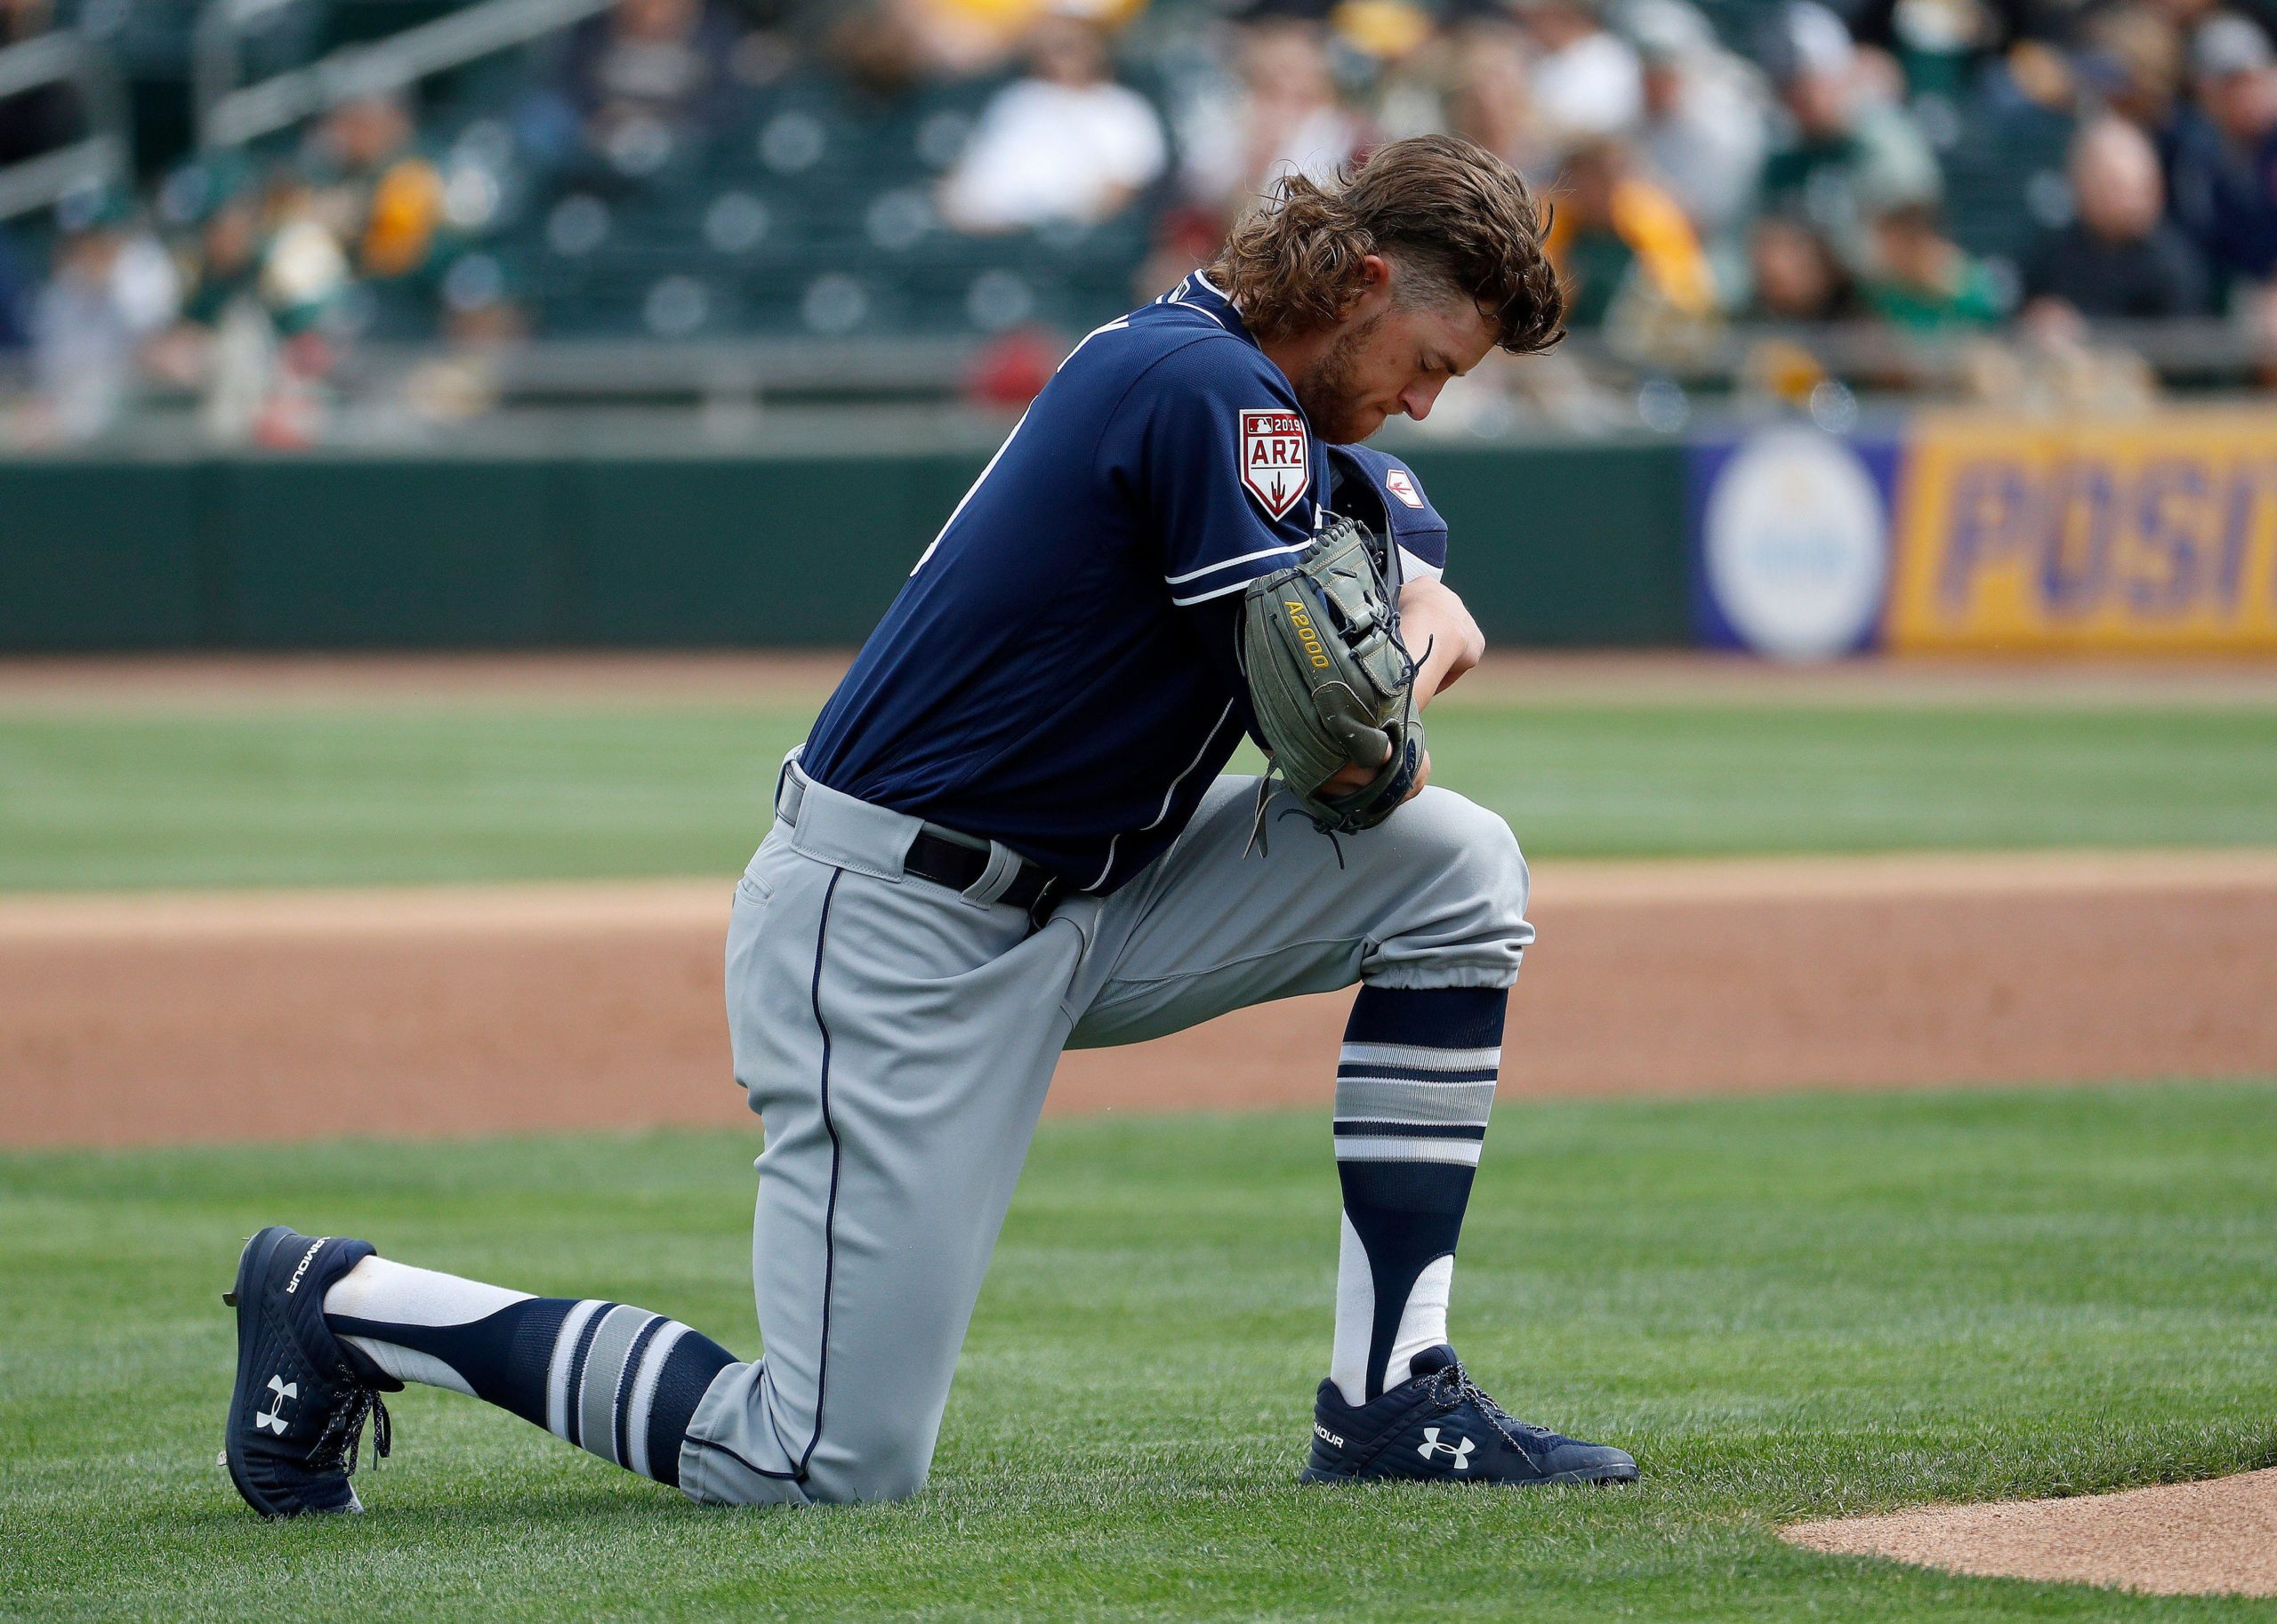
(810, 213)
(807, 209)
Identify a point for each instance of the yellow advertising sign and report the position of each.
(2150, 533)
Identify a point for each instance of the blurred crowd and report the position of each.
(1765, 168)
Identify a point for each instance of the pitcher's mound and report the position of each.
(2176, 1539)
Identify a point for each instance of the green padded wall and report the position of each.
(386, 554)
(103, 555)
(1563, 542)
(727, 552)
(1579, 543)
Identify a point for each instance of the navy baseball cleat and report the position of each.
(1438, 1427)
(297, 1415)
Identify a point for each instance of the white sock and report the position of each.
(618, 1381)
(1414, 1085)
(400, 1294)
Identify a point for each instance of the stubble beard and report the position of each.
(1326, 389)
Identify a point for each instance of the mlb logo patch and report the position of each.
(1401, 484)
(1276, 460)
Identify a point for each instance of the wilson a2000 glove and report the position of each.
(1333, 685)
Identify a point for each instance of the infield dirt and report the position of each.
(169, 1018)
(2170, 1540)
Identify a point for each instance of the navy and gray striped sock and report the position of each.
(1414, 1084)
(621, 1382)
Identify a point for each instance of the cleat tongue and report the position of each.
(1432, 1360)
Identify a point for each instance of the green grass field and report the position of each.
(1793, 1307)
(378, 793)
(1787, 1308)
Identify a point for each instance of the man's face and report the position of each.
(1386, 360)
(2243, 104)
(655, 20)
(1663, 84)
(2115, 177)
(1068, 50)
(1820, 103)
(364, 132)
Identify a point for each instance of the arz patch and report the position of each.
(1276, 459)
(1401, 484)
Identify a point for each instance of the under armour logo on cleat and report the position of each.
(273, 1418)
(1459, 1448)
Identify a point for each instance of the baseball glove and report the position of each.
(1331, 683)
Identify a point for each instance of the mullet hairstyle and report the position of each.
(1456, 219)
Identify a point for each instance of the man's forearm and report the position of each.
(1441, 635)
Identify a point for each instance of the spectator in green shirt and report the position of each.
(1850, 152)
(1923, 281)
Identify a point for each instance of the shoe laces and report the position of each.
(340, 1444)
(1452, 1384)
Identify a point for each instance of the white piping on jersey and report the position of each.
(1412, 568)
(971, 492)
(1208, 739)
(1117, 325)
(1221, 590)
(1177, 295)
(1212, 570)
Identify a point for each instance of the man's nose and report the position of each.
(1417, 399)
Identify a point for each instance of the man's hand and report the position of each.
(1431, 616)
(1351, 778)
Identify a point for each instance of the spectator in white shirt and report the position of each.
(1064, 143)
(1285, 115)
(114, 291)
(1490, 99)
(1587, 81)
(1706, 123)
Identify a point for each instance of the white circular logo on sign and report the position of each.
(1796, 545)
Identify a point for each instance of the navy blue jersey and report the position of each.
(1059, 672)
(1383, 493)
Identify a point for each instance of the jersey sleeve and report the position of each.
(1225, 467)
(1417, 530)
(1416, 527)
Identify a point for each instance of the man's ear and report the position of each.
(1375, 280)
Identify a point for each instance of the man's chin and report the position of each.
(1351, 430)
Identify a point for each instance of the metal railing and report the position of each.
(97, 159)
(230, 115)
(825, 395)
(1874, 353)
(2203, 353)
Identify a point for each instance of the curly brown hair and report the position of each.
(1458, 219)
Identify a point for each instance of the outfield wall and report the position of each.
(1970, 532)
(1569, 543)
(1942, 531)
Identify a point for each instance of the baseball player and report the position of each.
(1007, 834)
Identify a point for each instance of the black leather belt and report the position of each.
(959, 866)
(946, 859)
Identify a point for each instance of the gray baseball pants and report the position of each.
(898, 1037)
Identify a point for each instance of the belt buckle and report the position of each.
(1046, 900)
